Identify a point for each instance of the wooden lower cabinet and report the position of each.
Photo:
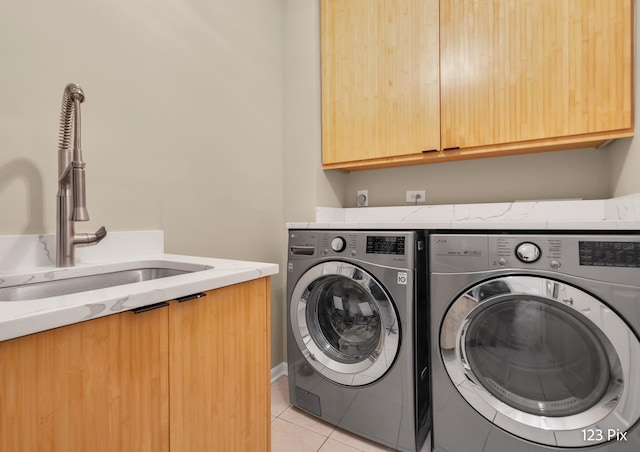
(98, 385)
(220, 367)
(191, 377)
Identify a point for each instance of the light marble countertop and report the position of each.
(19, 318)
(622, 213)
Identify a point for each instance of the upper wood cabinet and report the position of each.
(515, 76)
(380, 88)
(552, 71)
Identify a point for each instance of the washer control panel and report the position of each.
(385, 244)
(391, 248)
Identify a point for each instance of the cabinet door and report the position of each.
(523, 70)
(220, 370)
(380, 86)
(98, 385)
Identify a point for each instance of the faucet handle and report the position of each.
(101, 233)
(88, 238)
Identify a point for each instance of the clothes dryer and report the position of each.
(535, 342)
(355, 300)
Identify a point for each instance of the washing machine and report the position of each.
(355, 300)
(535, 342)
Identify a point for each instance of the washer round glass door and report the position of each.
(543, 360)
(344, 323)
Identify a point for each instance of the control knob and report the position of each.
(338, 244)
(528, 252)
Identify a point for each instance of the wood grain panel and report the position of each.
(220, 370)
(380, 79)
(523, 70)
(99, 385)
(505, 149)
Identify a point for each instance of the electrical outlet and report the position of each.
(415, 196)
(363, 198)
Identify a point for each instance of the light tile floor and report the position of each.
(293, 430)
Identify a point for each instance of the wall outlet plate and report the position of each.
(363, 198)
(415, 196)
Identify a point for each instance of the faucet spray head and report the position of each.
(75, 92)
(75, 96)
(79, 212)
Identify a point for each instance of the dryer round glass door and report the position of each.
(543, 360)
(344, 323)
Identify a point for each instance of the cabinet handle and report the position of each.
(150, 307)
(429, 150)
(451, 148)
(191, 297)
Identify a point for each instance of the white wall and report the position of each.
(624, 155)
(182, 123)
(624, 177)
(306, 184)
(580, 174)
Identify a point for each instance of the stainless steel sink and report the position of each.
(84, 283)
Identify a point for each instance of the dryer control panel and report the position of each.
(609, 253)
(613, 258)
(535, 252)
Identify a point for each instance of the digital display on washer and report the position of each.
(609, 254)
(378, 244)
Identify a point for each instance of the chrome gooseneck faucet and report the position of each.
(72, 205)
